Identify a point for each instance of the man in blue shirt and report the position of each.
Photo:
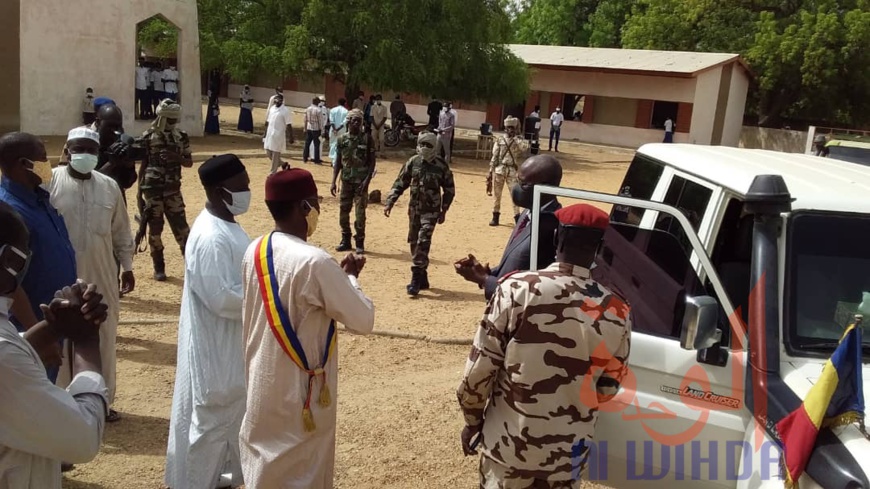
(25, 168)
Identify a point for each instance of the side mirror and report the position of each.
(699, 323)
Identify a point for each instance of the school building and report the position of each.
(608, 96)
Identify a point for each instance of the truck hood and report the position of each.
(801, 376)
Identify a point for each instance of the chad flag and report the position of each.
(836, 399)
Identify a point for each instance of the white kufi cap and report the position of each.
(83, 133)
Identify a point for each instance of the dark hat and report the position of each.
(290, 185)
(220, 168)
(583, 216)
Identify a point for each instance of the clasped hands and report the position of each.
(472, 270)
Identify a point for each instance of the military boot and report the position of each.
(345, 243)
(494, 221)
(159, 265)
(424, 280)
(414, 287)
(360, 245)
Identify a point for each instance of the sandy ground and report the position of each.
(398, 419)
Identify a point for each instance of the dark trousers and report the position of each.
(158, 95)
(554, 131)
(309, 137)
(143, 103)
(669, 137)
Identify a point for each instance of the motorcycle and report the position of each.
(406, 130)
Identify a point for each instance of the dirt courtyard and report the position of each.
(398, 421)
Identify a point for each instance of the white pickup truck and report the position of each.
(695, 232)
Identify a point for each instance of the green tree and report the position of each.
(158, 36)
(452, 48)
(596, 23)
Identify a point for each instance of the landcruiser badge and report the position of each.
(701, 395)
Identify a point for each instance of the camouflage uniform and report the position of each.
(355, 151)
(507, 155)
(426, 179)
(161, 188)
(542, 334)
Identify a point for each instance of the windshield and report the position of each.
(828, 277)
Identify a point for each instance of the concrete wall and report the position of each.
(610, 85)
(704, 106)
(752, 137)
(68, 46)
(614, 111)
(10, 57)
(731, 134)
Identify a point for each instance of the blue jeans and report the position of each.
(554, 131)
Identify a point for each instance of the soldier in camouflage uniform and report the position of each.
(167, 150)
(356, 165)
(427, 174)
(508, 152)
(542, 334)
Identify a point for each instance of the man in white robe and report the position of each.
(40, 423)
(337, 127)
(99, 229)
(288, 434)
(278, 131)
(209, 399)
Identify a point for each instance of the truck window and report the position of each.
(652, 271)
(640, 182)
(689, 197)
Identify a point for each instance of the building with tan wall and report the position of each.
(623, 96)
(57, 49)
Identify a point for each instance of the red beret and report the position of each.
(583, 216)
(288, 185)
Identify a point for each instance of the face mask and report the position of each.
(428, 154)
(522, 197)
(83, 162)
(311, 219)
(17, 276)
(41, 169)
(241, 202)
(379, 102)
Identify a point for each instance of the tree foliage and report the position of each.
(810, 58)
(158, 36)
(452, 48)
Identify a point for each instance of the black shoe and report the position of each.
(159, 266)
(345, 243)
(413, 288)
(360, 246)
(424, 280)
(494, 221)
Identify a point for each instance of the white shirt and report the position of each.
(170, 80)
(278, 119)
(40, 423)
(669, 126)
(324, 116)
(210, 375)
(157, 78)
(143, 75)
(535, 113)
(312, 118)
(270, 105)
(556, 119)
(276, 450)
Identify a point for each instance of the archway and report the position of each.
(157, 74)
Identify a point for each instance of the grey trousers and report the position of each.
(276, 159)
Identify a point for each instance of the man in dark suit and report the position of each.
(537, 170)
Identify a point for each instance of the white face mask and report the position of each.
(83, 162)
(241, 202)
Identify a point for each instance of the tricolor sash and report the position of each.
(283, 330)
